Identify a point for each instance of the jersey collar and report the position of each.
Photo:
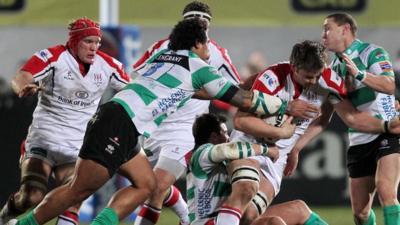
(353, 47)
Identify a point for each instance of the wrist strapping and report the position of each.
(361, 75)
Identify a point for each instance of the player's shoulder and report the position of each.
(51, 54)
(111, 61)
(159, 45)
(273, 78)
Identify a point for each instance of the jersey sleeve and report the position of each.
(267, 82)
(379, 63)
(41, 64)
(208, 77)
(223, 63)
(153, 49)
(200, 162)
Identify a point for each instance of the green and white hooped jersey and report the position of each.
(167, 81)
(374, 59)
(207, 183)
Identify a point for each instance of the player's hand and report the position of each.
(288, 128)
(273, 153)
(29, 90)
(302, 109)
(351, 67)
(291, 164)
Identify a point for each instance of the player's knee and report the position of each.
(302, 208)
(245, 190)
(273, 220)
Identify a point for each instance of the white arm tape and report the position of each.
(231, 151)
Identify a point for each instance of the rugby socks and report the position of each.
(67, 218)
(29, 219)
(228, 215)
(314, 219)
(371, 218)
(107, 216)
(391, 214)
(176, 202)
(148, 215)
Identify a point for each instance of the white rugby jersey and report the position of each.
(166, 82)
(278, 80)
(186, 115)
(374, 59)
(69, 99)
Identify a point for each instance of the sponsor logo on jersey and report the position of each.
(153, 68)
(82, 94)
(69, 76)
(98, 79)
(269, 80)
(166, 103)
(44, 55)
(385, 66)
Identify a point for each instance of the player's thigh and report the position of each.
(35, 172)
(138, 171)
(64, 173)
(167, 171)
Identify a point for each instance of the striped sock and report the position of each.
(67, 218)
(148, 215)
(176, 202)
(228, 215)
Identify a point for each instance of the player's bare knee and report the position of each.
(245, 190)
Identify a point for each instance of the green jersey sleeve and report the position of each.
(208, 78)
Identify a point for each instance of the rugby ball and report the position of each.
(275, 121)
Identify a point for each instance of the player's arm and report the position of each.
(314, 129)
(240, 150)
(249, 124)
(220, 88)
(23, 84)
(358, 120)
(380, 75)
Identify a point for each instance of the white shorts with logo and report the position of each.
(53, 154)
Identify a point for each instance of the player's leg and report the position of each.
(387, 183)
(167, 171)
(34, 177)
(267, 220)
(63, 174)
(361, 164)
(294, 212)
(124, 201)
(362, 192)
(82, 185)
(245, 178)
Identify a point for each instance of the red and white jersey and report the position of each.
(179, 124)
(278, 80)
(69, 98)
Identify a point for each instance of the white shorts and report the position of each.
(168, 156)
(272, 171)
(53, 154)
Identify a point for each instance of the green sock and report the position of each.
(391, 214)
(28, 220)
(107, 216)
(371, 218)
(314, 219)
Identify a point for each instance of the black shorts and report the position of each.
(362, 159)
(111, 139)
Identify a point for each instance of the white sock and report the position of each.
(67, 218)
(176, 202)
(147, 215)
(228, 216)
